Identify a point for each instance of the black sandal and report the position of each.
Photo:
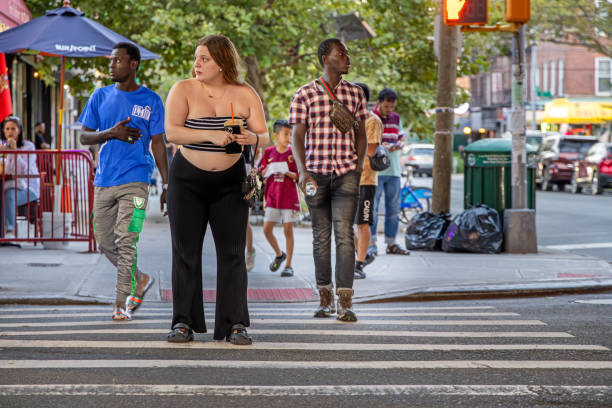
(394, 249)
(181, 333)
(239, 336)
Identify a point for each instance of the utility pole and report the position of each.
(445, 117)
(519, 222)
(533, 80)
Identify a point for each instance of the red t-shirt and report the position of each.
(280, 191)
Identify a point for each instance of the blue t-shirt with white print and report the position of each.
(121, 162)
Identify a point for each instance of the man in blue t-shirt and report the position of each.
(124, 119)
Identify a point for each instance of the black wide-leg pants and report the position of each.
(196, 198)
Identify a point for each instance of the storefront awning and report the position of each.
(578, 111)
(13, 13)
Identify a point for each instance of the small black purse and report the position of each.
(252, 186)
(380, 161)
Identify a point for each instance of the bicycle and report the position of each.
(413, 199)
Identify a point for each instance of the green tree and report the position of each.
(278, 42)
(583, 23)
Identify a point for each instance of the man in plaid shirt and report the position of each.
(333, 162)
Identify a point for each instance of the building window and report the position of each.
(553, 78)
(561, 69)
(545, 77)
(603, 76)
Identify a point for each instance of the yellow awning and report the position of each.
(576, 112)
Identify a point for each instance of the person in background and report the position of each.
(281, 195)
(367, 191)
(124, 119)
(17, 190)
(389, 180)
(41, 140)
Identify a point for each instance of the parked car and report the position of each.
(594, 170)
(420, 156)
(556, 158)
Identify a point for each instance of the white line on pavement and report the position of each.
(171, 390)
(328, 365)
(569, 247)
(214, 345)
(390, 314)
(332, 321)
(377, 333)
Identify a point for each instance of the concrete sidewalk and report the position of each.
(34, 275)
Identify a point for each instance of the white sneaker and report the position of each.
(250, 260)
(9, 235)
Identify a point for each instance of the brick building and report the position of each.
(559, 71)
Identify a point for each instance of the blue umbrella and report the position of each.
(64, 32)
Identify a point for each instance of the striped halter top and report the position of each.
(209, 123)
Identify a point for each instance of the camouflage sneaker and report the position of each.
(326, 300)
(345, 306)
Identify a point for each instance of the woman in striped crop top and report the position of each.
(205, 188)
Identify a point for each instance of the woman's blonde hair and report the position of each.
(223, 51)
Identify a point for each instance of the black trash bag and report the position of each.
(426, 231)
(477, 229)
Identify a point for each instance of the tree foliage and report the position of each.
(278, 42)
(584, 23)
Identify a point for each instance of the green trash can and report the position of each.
(488, 175)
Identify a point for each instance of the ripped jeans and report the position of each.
(334, 206)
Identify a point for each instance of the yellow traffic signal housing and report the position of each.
(466, 12)
(517, 11)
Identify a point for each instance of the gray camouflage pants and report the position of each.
(119, 213)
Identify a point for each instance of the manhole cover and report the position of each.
(44, 264)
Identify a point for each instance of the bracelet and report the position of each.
(164, 187)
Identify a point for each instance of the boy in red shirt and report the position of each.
(281, 196)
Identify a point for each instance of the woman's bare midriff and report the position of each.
(210, 161)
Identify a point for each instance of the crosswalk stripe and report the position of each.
(474, 322)
(290, 346)
(377, 333)
(390, 314)
(160, 390)
(252, 307)
(328, 365)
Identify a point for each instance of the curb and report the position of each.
(531, 289)
(53, 300)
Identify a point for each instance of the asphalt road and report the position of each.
(540, 352)
(579, 223)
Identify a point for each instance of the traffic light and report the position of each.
(466, 12)
(517, 11)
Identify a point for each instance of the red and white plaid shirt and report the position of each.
(328, 151)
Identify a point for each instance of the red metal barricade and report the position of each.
(43, 210)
